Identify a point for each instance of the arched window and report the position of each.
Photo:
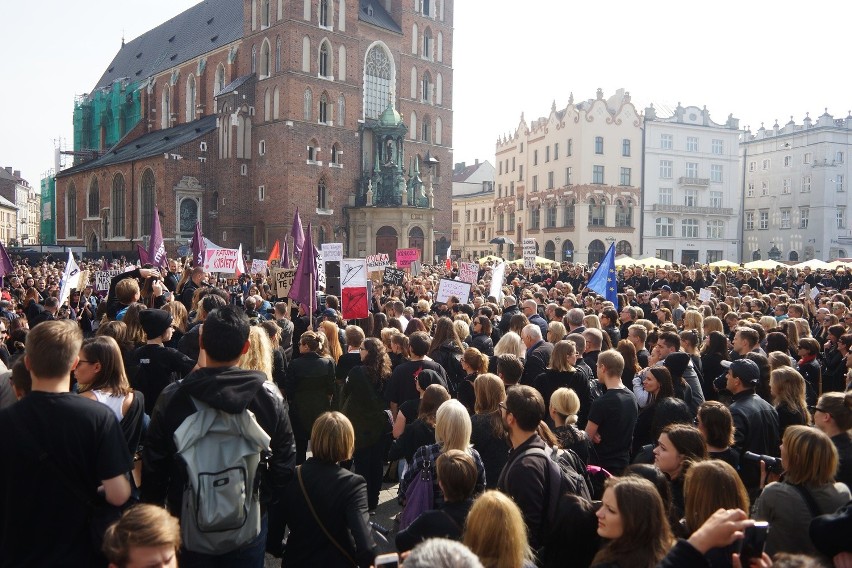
(427, 43)
(794, 255)
(94, 201)
(568, 250)
(254, 59)
(265, 59)
(323, 109)
(413, 125)
(414, 83)
(379, 80)
(146, 219)
(219, 81)
(439, 89)
(325, 59)
(341, 110)
(335, 153)
(341, 63)
(664, 227)
(278, 54)
(440, 47)
(71, 211)
(309, 103)
(426, 129)
(427, 88)
(276, 103)
(117, 206)
(689, 228)
(715, 229)
(623, 247)
(568, 214)
(165, 107)
(597, 211)
(550, 250)
(415, 39)
(596, 251)
(188, 215)
(623, 213)
(439, 131)
(267, 106)
(264, 13)
(323, 13)
(306, 54)
(322, 197)
(190, 98)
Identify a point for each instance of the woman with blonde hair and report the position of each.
(495, 531)
(259, 354)
(488, 435)
(474, 363)
(810, 465)
(135, 333)
(787, 387)
(462, 330)
(332, 339)
(712, 323)
(564, 410)
(791, 330)
(693, 320)
(768, 323)
(452, 432)
(180, 320)
(556, 332)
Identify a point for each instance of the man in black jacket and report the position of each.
(525, 476)
(510, 308)
(196, 281)
(224, 386)
(538, 353)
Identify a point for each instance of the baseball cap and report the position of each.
(667, 288)
(329, 313)
(745, 370)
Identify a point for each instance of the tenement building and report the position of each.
(692, 187)
(571, 180)
(238, 112)
(473, 210)
(797, 195)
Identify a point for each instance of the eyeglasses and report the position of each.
(816, 409)
(503, 406)
(85, 361)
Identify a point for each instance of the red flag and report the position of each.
(276, 252)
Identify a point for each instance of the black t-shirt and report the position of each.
(151, 368)
(615, 412)
(41, 522)
(401, 387)
(410, 409)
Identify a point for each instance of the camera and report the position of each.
(773, 464)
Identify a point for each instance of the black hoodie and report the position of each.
(230, 389)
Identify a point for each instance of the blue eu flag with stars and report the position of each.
(603, 281)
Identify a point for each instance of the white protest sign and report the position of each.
(378, 262)
(705, 295)
(469, 272)
(498, 274)
(332, 252)
(353, 273)
(221, 260)
(814, 293)
(258, 266)
(283, 278)
(457, 288)
(529, 253)
(103, 278)
(320, 270)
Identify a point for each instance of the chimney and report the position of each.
(9, 169)
(17, 173)
(476, 162)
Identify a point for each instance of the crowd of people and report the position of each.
(178, 417)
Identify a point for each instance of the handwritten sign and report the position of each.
(258, 266)
(469, 272)
(377, 262)
(404, 257)
(221, 260)
(353, 273)
(393, 276)
(529, 245)
(332, 251)
(103, 278)
(457, 288)
(705, 295)
(283, 281)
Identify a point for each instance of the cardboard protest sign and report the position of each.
(404, 257)
(393, 276)
(103, 277)
(469, 272)
(457, 288)
(258, 266)
(377, 262)
(221, 260)
(529, 245)
(283, 278)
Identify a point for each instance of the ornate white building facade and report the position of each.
(473, 210)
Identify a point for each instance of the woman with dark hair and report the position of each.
(677, 363)
(808, 366)
(481, 337)
(561, 372)
(833, 415)
(366, 408)
(777, 342)
(762, 362)
(678, 447)
(487, 432)
(716, 424)
(609, 325)
(474, 363)
(446, 350)
(415, 325)
(631, 362)
(653, 474)
(657, 383)
(380, 321)
(421, 431)
(632, 518)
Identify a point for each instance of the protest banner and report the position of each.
(498, 275)
(103, 277)
(705, 295)
(377, 262)
(353, 273)
(393, 276)
(457, 288)
(353, 283)
(283, 278)
(469, 272)
(221, 260)
(529, 245)
(404, 257)
(258, 266)
(332, 251)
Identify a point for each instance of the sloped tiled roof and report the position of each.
(373, 12)
(194, 32)
(151, 144)
(468, 171)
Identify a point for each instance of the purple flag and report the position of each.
(143, 255)
(298, 234)
(157, 249)
(5, 262)
(304, 288)
(197, 245)
(285, 255)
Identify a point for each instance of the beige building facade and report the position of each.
(473, 210)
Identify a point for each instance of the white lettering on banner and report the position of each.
(332, 251)
(283, 281)
(457, 288)
(378, 262)
(469, 272)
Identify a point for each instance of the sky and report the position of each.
(757, 60)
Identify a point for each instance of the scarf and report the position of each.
(806, 360)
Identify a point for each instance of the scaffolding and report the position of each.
(102, 118)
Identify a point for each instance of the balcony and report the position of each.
(691, 210)
(695, 182)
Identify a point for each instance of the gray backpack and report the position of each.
(221, 452)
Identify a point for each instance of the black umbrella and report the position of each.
(501, 241)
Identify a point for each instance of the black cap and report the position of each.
(155, 322)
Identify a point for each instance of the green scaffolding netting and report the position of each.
(102, 118)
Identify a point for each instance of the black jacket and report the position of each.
(449, 356)
(507, 317)
(525, 479)
(483, 343)
(309, 386)
(755, 430)
(536, 362)
(339, 498)
(230, 389)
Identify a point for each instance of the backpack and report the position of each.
(221, 498)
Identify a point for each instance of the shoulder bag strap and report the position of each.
(808, 499)
(317, 519)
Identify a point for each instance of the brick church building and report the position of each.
(238, 112)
